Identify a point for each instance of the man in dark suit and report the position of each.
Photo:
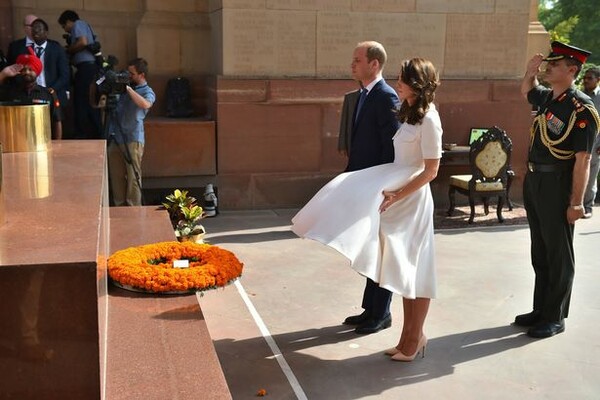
(373, 125)
(56, 73)
(17, 47)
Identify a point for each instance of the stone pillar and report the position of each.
(538, 39)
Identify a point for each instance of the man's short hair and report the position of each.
(571, 61)
(140, 65)
(41, 21)
(375, 51)
(595, 71)
(67, 15)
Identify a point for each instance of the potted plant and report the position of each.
(185, 216)
(174, 202)
(189, 227)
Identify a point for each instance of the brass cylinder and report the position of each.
(25, 127)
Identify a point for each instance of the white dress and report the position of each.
(393, 248)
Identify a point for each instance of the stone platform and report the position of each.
(63, 333)
(158, 345)
(53, 248)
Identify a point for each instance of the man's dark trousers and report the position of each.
(87, 118)
(546, 198)
(376, 300)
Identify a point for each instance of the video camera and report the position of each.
(111, 82)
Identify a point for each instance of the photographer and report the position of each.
(126, 136)
(81, 46)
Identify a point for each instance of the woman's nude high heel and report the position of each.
(420, 349)
(391, 351)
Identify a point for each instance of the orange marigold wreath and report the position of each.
(150, 267)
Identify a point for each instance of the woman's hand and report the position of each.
(389, 198)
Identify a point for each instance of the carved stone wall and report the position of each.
(463, 38)
(271, 74)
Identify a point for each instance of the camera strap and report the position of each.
(92, 31)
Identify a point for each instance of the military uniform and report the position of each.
(563, 126)
(37, 95)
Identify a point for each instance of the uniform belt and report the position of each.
(533, 167)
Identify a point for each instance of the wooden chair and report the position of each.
(489, 160)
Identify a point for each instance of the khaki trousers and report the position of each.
(126, 191)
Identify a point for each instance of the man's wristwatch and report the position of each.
(577, 207)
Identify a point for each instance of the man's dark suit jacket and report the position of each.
(56, 65)
(347, 120)
(374, 128)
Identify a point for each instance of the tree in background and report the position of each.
(576, 22)
(573, 21)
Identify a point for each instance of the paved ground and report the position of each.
(294, 294)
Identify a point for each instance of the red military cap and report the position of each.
(561, 50)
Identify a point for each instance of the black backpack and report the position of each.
(179, 99)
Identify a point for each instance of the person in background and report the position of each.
(10, 71)
(3, 61)
(562, 137)
(126, 137)
(19, 46)
(56, 73)
(22, 88)
(591, 78)
(80, 37)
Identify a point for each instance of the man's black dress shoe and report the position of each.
(357, 319)
(528, 319)
(373, 325)
(547, 329)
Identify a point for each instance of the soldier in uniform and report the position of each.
(19, 87)
(562, 135)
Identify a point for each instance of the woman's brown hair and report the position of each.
(423, 79)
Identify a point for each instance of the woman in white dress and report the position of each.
(381, 218)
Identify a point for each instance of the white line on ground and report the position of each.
(285, 367)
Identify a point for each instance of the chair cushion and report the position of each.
(462, 181)
(491, 159)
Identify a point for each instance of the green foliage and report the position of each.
(562, 30)
(573, 21)
(184, 213)
(175, 202)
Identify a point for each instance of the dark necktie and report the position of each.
(38, 51)
(361, 100)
